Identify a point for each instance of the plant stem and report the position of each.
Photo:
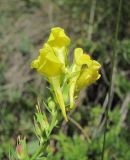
(80, 128)
(110, 98)
(91, 19)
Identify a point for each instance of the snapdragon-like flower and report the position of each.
(85, 71)
(66, 80)
(89, 69)
(52, 61)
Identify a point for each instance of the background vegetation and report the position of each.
(24, 26)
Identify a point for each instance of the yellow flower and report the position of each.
(88, 75)
(51, 63)
(47, 63)
(85, 71)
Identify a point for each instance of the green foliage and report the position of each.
(77, 147)
(123, 50)
(70, 148)
(123, 85)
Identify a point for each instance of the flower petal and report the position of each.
(81, 58)
(58, 38)
(47, 63)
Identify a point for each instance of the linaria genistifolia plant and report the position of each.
(66, 80)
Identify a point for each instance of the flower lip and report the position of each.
(58, 38)
(81, 58)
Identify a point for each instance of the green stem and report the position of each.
(80, 128)
(91, 19)
(110, 98)
(43, 145)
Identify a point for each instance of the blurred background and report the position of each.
(91, 24)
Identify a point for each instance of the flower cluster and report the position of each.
(66, 80)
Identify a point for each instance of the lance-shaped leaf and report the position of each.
(55, 81)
